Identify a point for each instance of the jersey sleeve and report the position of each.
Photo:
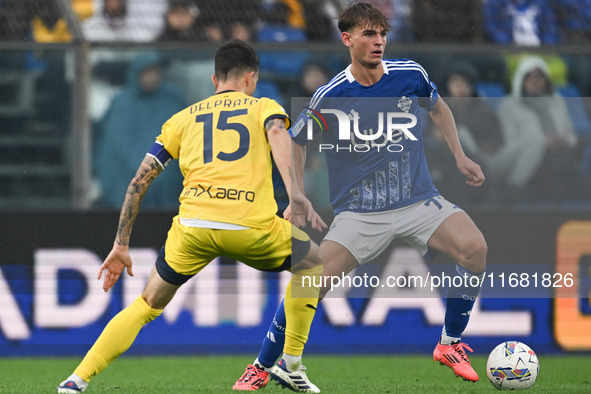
(299, 132)
(428, 94)
(272, 110)
(169, 139)
(296, 131)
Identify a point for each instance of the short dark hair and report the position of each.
(233, 58)
(362, 14)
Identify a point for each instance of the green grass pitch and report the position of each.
(333, 374)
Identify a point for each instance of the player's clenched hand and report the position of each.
(114, 264)
(472, 171)
(302, 212)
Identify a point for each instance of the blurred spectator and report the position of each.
(537, 114)
(283, 21)
(147, 16)
(125, 20)
(107, 80)
(181, 19)
(520, 22)
(295, 13)
(182, 23)
(110, 24)
(48, 24)
(509, 161)
(478, 125)
(313, 20)
(449, 21)
(214, 30)
(574, 19)
(129, 128)
(241, 31)
(312, 76)
(225, 19)
(287, 12)
(557, 67)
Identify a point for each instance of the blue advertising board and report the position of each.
(52, 304)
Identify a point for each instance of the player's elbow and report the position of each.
(276, 135)
(275, 131)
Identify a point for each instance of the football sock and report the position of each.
(447, 340)
(292, 362)
(257, 364)
(460, 300)
(116, 338)
(273, 342)
(78, 380)
(301, 301)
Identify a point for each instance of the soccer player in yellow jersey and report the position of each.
(224, 145)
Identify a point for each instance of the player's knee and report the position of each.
(473, 255)
(150, 300)
(156, 300)
(311, 260)
(480, 251)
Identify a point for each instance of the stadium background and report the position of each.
(56, 85)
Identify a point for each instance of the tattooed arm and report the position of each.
(119, 259)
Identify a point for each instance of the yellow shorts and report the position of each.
(189, 249)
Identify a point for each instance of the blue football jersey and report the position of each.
(372, 137)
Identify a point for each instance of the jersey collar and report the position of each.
(350, 76)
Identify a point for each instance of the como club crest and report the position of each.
(405, 103)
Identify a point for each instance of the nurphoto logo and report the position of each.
(359, 128)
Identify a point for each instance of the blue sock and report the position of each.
(460, 300)
(273, 342)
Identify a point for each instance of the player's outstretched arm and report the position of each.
(444, 120)
(119, 259)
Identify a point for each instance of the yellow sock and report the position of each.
(301, 301)
(116, 338)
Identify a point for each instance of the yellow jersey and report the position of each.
(224, 154)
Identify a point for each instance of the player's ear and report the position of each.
(215, 81)
(346, 37)
(250, 77)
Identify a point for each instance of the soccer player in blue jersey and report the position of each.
(379, 195)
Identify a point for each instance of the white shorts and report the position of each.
(367, 234)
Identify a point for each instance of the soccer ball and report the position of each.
(512, 365)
